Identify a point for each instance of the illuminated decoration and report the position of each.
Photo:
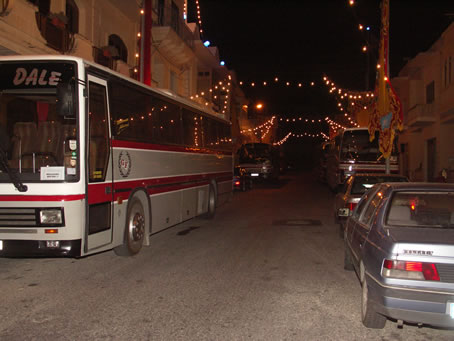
(199, 17)
(350, 103)
(218, 93)
(303, 135)
(277, 82)
(222, 63)
(281, 142)
(300, 119)
(334, 124)
(386, 115)
(263, 127)
(207, 43)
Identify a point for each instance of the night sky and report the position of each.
(301, 41)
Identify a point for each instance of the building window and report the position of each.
(72, 13)
(430, 92)
(121, 49)
(43, 6)
(449, 70)
(174, 18)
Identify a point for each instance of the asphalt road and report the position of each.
(268, 267)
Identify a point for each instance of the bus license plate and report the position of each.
(254, 174)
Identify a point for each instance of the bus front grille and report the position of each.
(19, 217)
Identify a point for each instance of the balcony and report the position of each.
(447, 117)
(421, 115)
(172, 37)
(54, 30)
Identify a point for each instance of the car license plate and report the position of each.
(451, 309)
(254, 174)
(344, 212)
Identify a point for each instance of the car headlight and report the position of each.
(51, 216)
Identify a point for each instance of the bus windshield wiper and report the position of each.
(12, 175)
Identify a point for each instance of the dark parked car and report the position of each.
(352, 190)
(400, 241)
(260, 160)
(242, 181)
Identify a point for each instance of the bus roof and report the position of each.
(163, 92)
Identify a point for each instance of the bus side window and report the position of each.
(98, 144)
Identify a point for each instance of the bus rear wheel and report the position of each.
(134, 230)
(212, 201)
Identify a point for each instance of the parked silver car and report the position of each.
(400, 241)
(351, 191)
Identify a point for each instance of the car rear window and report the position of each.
(363, 183)
(422, 209)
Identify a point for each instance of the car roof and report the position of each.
(419, 186)
(379, 174)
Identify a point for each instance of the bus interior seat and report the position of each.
(49, 140)
(25, 135)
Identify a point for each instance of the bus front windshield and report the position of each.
(37, 141)
(357, 146)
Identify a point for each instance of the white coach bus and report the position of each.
(91, 160)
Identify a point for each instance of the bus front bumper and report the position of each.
(40, 248)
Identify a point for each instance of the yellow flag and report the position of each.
(386, 115)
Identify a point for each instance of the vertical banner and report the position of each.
(386, 116)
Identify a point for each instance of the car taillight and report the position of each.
(237, 183)
(410, 270)
(352, 205)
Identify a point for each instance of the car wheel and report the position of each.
(341, 231)
(348, 265)
(243, 185)
(369, 316)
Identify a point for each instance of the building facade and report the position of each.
(425, 87)
(111, 33)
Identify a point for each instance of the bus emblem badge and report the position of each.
(124, 163)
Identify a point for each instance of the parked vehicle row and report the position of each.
(399, 238)
(260, 160)
(242, 181)
(351, 191)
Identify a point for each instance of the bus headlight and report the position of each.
(51, 216)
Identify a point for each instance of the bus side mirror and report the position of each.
(65, 99)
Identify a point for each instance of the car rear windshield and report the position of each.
(422, 209)
(362, 183)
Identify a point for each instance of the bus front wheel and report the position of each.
(134, 230)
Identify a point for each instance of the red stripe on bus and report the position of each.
(171, 180)
(42, 197)
(97, 192)
(152, 146)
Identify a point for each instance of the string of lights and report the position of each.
(266, 125)
(303, 135)
(276, 81)
(219, 92)
(199, 17)
(302, 119)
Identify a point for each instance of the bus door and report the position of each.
(99, 171)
